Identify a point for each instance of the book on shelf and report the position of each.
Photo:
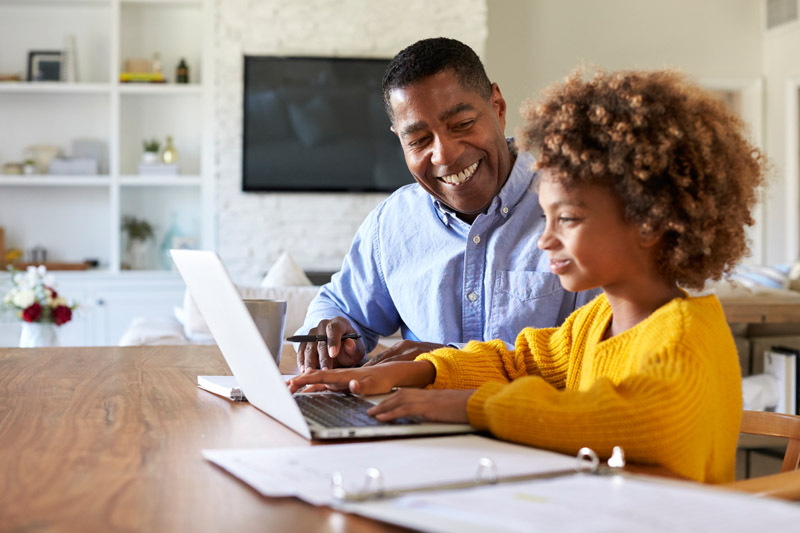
(142, 77)
(781, 362)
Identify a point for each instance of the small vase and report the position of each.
(138, 253)
(38, 334)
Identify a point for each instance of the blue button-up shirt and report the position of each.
(416, 266)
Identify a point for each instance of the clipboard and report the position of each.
(587, 462)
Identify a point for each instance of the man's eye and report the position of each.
(416, 143)
(464, 125)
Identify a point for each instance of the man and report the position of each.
(453, 257)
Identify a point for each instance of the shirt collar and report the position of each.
(517, 184)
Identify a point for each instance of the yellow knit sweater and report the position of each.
(667, 390)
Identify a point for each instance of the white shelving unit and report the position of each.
(78, 217)
(119, 115)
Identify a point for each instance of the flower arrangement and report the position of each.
(35, 299)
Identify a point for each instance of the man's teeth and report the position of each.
(461, 177)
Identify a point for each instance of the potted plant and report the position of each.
(140, 232)
(151, 149)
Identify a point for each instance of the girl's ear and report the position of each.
(649, 237)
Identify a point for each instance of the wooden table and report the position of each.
(109, 439)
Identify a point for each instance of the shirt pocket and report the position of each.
(524, 299)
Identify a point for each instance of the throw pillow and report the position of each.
(285, 273)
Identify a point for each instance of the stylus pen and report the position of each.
(317, 338)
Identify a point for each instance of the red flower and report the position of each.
(61, 315)
(53, 293)
(32, 312)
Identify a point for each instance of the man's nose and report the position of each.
(445, 151)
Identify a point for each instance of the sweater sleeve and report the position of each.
(537, 352)
(653, 414)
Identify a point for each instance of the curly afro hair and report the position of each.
(676, 158)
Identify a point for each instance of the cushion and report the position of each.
(143, 330)
(285, 273)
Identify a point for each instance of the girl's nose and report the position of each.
(546, 241)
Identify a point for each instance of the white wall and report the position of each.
(781, 63)
(719, 40)
(254, 228)
(533, 43)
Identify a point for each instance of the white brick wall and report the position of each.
(254, 228)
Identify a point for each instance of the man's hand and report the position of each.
(375, 380)
(431, 405)
(404, 351)
(331, 353)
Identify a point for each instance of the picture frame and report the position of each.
(44, 65)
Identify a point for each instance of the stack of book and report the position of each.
(158, 169)
(73, 166)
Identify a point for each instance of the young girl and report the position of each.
(646, 185)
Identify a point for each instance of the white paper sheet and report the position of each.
(585, 502)
(306, 472)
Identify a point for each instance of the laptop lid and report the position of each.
(252, 363)
(237, 336)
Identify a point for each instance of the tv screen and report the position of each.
(318, 124)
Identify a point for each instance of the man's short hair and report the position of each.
(431, 56)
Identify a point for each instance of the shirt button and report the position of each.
(476, 239)
(472, 296)
(505, 210)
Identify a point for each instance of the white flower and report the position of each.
(9, 298)
(58, 301)
(24, 298)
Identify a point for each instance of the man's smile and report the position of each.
(461, 177)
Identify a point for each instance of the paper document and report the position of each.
(227, 386)
(585, 502)
(306, 472)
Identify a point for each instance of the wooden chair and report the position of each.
(786, 484)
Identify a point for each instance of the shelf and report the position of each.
(164, 2)
(49, 265)
(54, 3)
(161, 181)
(58, 181)
(53, 87)
(160, 88)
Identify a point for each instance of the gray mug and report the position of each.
(270, 319)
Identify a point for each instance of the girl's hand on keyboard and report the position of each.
(378, 379)
(430, 405)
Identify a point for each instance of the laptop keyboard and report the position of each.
(334, 410)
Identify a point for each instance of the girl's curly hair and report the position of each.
(676, 158)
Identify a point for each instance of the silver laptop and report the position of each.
(328, 415)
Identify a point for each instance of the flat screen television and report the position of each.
(317, 124)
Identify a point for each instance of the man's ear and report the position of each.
(498, 102)
(394, 131)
